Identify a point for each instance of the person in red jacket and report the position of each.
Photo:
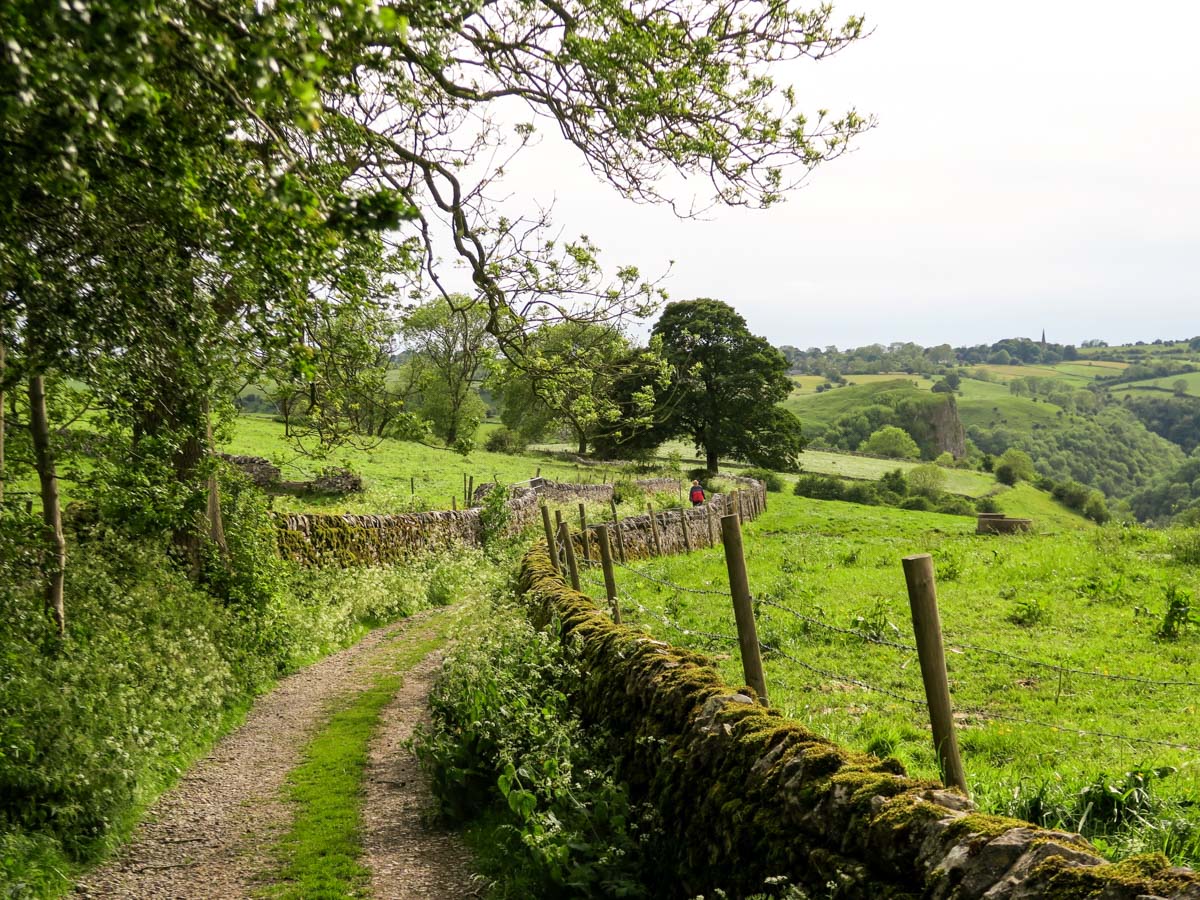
(696, 494)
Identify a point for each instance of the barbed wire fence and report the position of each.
(954, 645)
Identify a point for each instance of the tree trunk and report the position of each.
(582, 437)
(39, 426)
(216, 525)
(710, 456)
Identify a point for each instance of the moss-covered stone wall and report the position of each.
(748, 794)
(703, 527)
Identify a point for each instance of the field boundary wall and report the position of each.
(750, 794)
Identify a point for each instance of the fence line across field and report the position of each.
(916, 702)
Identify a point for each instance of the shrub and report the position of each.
(1020, 463)
(860, 492)
(1006, 474)
(895, 482)
(1096, 508)
(504, 440)
(495, 515)
(926, 480)
(987, 505)
(1072, 494)
(773, 480)
(893, 442)
(952, 505)
(945, 460)
(818, 487)
(506, 744)
(919, 504)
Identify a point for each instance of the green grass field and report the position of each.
(1164, 386)
(989, 404)
(1091, 600)
(387, 468)
(807, 384)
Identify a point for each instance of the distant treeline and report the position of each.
(916, 359)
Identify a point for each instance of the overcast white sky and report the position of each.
(1036, 165)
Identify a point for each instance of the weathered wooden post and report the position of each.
(687, 538)
(583, 532)
(412, 486)
(606, 563)
(710, 512)
(454, 503)
(620, 531)
(538, 473)
(654, 529)
(572, 562)
(471, 493)
(551, 544)
(743, 606)
(927, 626)
(737, 505)
(466, 500)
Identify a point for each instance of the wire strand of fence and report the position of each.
(670, 584)
(896, 695)
(682, 629)
(865, 635)
(975, 711)
(952, 644)
(844, 679)
(1069, 729)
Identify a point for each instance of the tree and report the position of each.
(725, 387)
(571, 383)
(453, 344)
(893, 442)
(1019, 462)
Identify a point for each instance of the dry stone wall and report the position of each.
(702, 528)
(750, 794)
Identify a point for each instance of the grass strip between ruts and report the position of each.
(319, 857)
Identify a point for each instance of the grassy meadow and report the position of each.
(398, 475)
(1093, 600)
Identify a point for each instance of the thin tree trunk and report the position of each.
(216, 525)
(711, 461)
(39, 426)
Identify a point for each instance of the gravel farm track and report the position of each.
(214, 833)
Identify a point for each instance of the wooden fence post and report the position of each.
(583, 532)
(927, 626)
(710, 511)
(743, 606)
(412, 486)
(620, 532)
(572, 562)
(471, 493)
(687, 538)
(654, 529)
(551, 544)
(606, 563)
(465, 501)
(454, 503)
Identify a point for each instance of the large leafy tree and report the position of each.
(570, 384)
(726, 387)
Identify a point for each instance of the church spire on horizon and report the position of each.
(1043, 338)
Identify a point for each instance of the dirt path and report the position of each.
(409, 858)
(211, 835)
